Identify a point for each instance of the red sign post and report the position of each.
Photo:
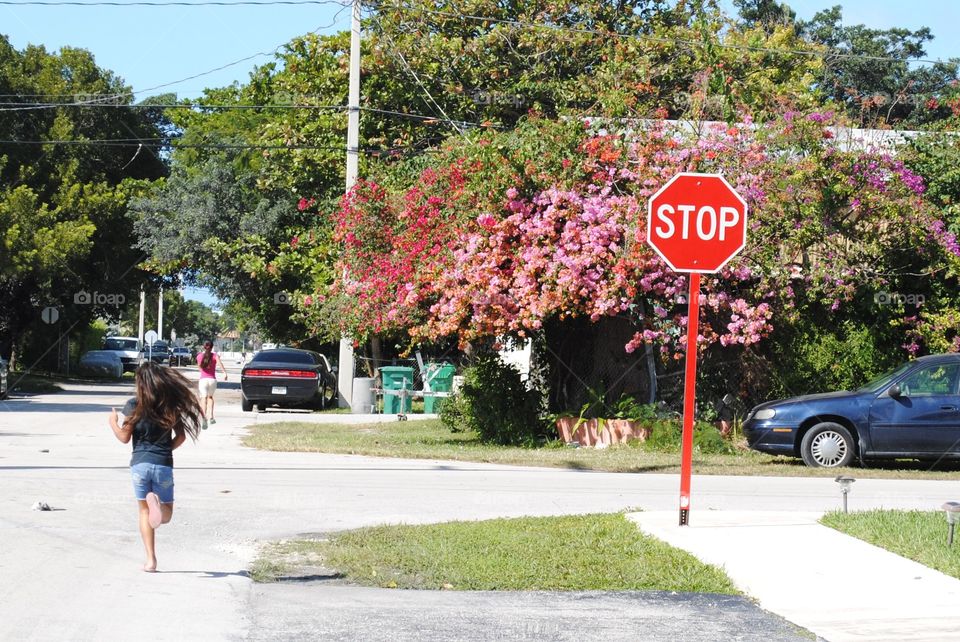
(696, 223)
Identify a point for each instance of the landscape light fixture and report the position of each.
(845, 483)
(952, 510)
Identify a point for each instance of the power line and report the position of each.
(427, 119)
(15, 106)
(336, 18)
(156, 142)
(395, 51)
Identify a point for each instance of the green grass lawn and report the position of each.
(430, 439)
(917, 535)
(573, 553)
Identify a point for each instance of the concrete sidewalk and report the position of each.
(837, 586)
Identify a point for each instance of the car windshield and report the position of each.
(881, 382)
(120, 344)
(283, 356)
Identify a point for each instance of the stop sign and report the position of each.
(697, 222)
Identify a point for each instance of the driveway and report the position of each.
(73, 572)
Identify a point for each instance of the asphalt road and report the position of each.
(73, 572)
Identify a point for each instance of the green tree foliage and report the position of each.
(869, 70)
(768, 14)
(212, 226)
(63, 199)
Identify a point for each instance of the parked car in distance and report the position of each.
(4, 378)
(912, 412)
(101, 363)
(287, 377)
(181, 355)
(157, 352)
(127, 348)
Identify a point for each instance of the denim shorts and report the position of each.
(153, 478)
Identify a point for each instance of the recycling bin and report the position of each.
(440, 376)
(396, 378)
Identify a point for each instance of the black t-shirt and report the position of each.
(151, 443)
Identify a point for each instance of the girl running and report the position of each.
(158, 421)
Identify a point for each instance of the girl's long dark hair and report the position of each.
(207, 355)
(164, 397)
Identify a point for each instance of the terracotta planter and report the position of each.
(586, 432)
(642, 431)
(621, 430)
(565, 427)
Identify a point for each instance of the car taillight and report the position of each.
(294, 374)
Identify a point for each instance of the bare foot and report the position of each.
(150, 567)
(155, 513)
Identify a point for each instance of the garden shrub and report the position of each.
(495, 403)
(667, 434)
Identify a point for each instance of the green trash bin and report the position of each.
(440, 376)
(396, 378)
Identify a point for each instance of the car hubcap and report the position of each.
(828, 449)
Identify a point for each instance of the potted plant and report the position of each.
(566, 425)
(632, 420)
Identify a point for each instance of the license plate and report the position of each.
(278, 390)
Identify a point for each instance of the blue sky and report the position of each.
(153, 46)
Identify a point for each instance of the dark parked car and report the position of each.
(101, 363)
(912, 412)
(4, 379)
(181, 356)
(287, 377)
(158, 352)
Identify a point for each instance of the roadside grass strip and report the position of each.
(430, 439)
(603, 552)
(917, 535)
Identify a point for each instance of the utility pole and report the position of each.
(347, 361)
(160, 315)
(143, 301)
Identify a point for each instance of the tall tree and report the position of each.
(873, 72)
(67, 241)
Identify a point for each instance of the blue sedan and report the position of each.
(912, 412)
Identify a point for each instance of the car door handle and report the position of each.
(948, 407)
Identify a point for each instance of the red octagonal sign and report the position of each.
(697, 222)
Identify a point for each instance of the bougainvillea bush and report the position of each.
(494, 240)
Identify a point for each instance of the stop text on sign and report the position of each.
(709, 223)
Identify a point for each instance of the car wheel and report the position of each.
(328, 395)
(245, 404)
(827, 445)
(261, 407)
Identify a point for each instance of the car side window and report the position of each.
(932, 380)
